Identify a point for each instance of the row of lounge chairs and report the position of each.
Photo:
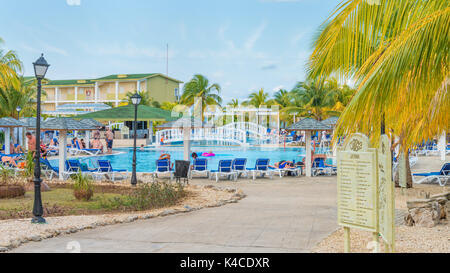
(230, 169)
(74, 166)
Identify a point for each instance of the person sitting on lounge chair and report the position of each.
(12, 161)
(283, 165)
(97, 144)
(166, 156)
(82, 144)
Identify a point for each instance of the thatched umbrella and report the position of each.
(9, 123)
(91, 122)
(331, 121)
(308, 125)
(63, 125)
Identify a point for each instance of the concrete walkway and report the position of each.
(288, 215)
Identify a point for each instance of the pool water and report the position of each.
(145, 160)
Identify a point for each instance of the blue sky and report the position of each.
(243, 45)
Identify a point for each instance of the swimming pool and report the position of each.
(146, 159)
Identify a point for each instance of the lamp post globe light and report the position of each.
(40, 69)
(18, 109)
(136, 100)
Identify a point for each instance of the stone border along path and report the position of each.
(71, 224)
(280, 215)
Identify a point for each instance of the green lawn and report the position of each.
(57, 201)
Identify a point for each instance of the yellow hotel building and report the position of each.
(109, 89)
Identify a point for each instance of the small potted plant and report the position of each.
(83, 188)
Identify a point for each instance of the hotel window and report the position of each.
(177, 94)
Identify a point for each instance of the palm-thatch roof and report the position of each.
(331, 121)
(92, 122)
(10, 122)
(309, 124)
(64, 124)
(30, 122)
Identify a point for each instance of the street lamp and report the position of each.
(40, 69)
(18, 109)
(136, 100)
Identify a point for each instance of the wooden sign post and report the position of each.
(357, 187)
(366, 190)
(386, 195)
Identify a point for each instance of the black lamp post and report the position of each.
(136, 100)
(40, 69)
(18, 109)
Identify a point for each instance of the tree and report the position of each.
(258, 99)
(234, 103)
(199, 87)
(9, 65)
(18, 93)
(282, 98)
(312, 99)
(397, 52)
(146, 99)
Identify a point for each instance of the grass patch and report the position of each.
(61, 201)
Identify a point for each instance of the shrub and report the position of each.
(5, 175)
(83, 188)
(9, 186)
(29, 166)
(147, 196)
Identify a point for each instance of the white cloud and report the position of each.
(128, 50)
(73, 2)
(254, 37)
(278, 88)
(44, 48)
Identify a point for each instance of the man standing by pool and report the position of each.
(109, 140)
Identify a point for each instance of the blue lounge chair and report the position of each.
(239, 166)
(163, 167)
(319, 167)
(77, 150)
(442, 176)
(9, 165)
(73, 166)
(48, 169)
(200, 166)
(105, 169)
(282, 170)
(224, 169)
(261, 168)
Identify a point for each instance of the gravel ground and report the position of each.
(15, 232)
(408, 240)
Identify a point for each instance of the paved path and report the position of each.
(289, 215)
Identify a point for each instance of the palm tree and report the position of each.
(258, 99)
(199, 87)
(9, 65)
(146, 99)
(282, 98)
(397, 52)
(18, 93)
(312, 99)
(234, 103)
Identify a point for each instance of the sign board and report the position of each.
(125, 131)
(402, 170)
(386, 206)
(357, 184)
